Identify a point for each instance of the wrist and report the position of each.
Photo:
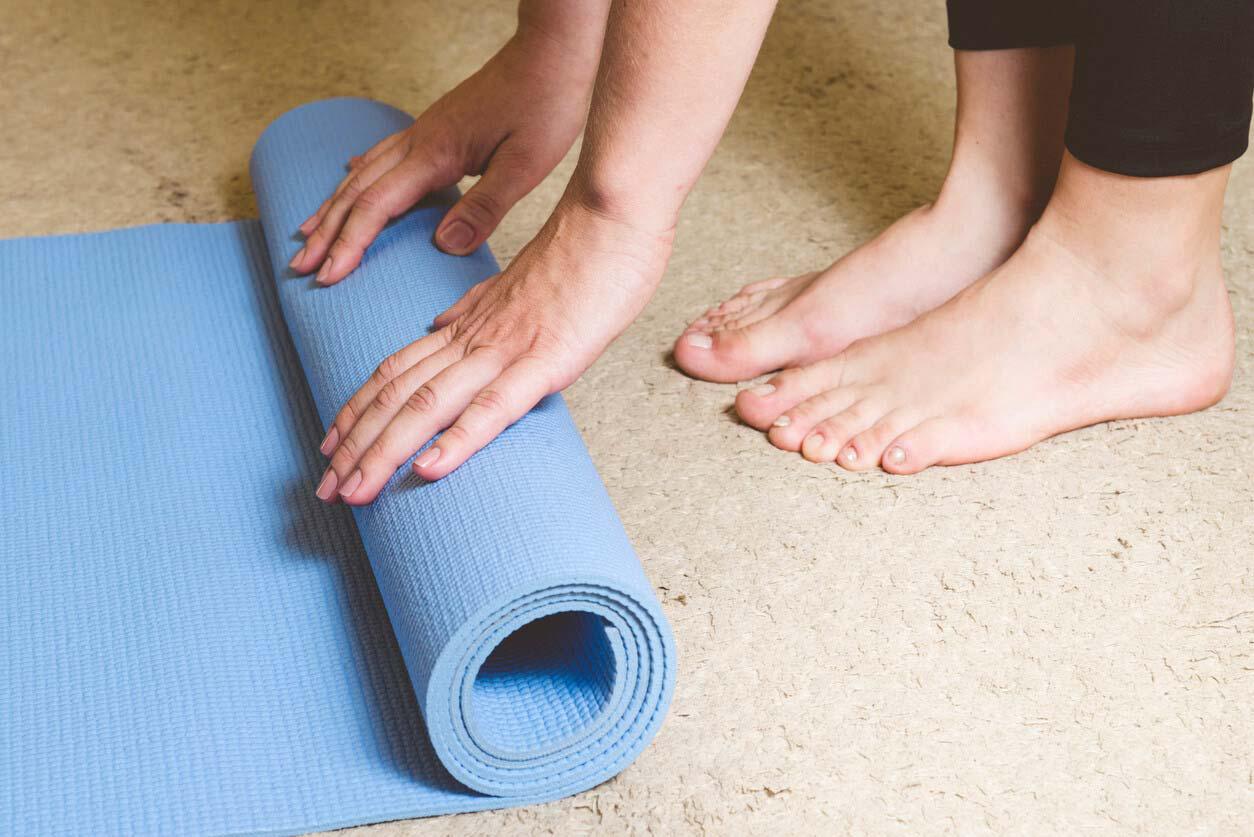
(632, 236)
(628, 202)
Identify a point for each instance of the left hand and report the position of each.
(514, 338)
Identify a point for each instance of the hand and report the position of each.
(511, 122)
(511, 340)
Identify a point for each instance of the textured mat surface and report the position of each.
(1059, 642)
(189, 642)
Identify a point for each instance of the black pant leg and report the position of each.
(1009, 24)
(1162, 87)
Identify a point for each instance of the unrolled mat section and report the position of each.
(189, 642)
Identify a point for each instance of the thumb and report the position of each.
(473, 218)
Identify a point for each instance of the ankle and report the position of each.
(1171, 220)
(1157, 238)
(992, 214)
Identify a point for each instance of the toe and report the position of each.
(730, 355)
(867, 449)
(753, 332)
(768, 284)
(919, 447)
(794, 426)
(759, 406)
(829, 439)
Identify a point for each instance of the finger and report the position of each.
(311, 223)
(318, 242)
(390, 196)
(390, 368)
(497, 406)
(462, 305)
(390, 400)
(373, 152)
(353, 180)
(433, 407)
(473, 218)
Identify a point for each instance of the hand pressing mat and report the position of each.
(190, 642)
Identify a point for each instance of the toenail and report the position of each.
(896, 456)
(763, 390)
(700, 341)
(783, 421)
(849, 455)
(814, 440)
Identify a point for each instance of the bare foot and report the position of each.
(1114, 307)
(1007, 148)
(913, 266)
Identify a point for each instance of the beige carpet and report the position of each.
(1058, 642)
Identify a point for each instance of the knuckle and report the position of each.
(352, 188)
(482, 206)
(490, 400)
(422, 401)
(347, 416)
(388, 368)
(372, 199)
(347, 453)
(457, 435)
(376, 453)
(390, 396)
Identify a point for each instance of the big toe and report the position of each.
(737, 351)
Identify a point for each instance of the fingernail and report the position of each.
(307, 226)
(300, 254)
(763, 390)
(456, 235)
(428, 458)
(350, 486)
(782, 421)
(699, 340)
(849, 455)
(896, 456)
(326, 488)
(324, 271)
(329, 443)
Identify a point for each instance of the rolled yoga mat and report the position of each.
(190, 642)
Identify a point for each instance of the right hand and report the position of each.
(511, 122)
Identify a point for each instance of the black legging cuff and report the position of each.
(1007, 24)
(1137, 160)
(1161, 87)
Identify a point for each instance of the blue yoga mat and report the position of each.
(190, 642)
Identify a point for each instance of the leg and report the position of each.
(1008, 141)
(1114, 307)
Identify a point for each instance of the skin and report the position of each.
(670, 74)
(1031, 298)
(511, 123)
(1008, 142)
(1018, 305)
(1114, 307)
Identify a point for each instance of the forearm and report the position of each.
(577, 27)
(671, 73)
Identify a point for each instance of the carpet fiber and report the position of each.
(1057, 642)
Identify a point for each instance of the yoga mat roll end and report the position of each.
(552, 691)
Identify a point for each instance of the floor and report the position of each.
(1055, 642)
